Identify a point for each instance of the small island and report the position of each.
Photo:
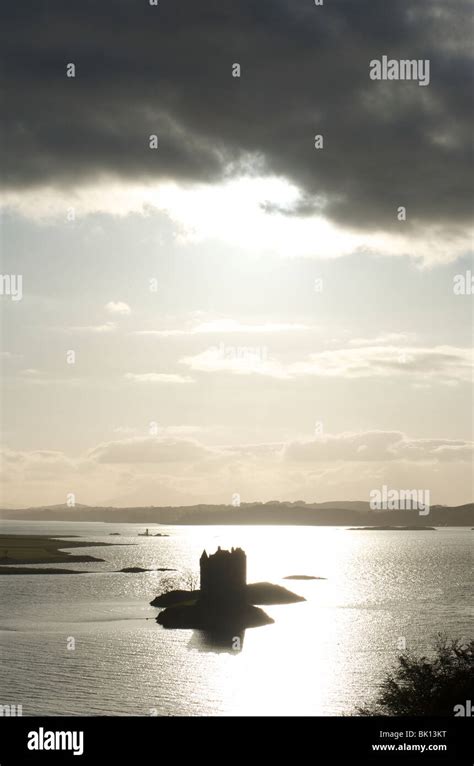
(146, 533)
(140, 570)
(389, 528)
(224, 602)
(303, 577)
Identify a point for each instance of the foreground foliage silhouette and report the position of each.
(423, 685)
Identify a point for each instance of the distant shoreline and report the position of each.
(338, 514)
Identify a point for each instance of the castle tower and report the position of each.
(223, 575)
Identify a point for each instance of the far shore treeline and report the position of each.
(345, 513)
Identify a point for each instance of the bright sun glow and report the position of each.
(252, 213)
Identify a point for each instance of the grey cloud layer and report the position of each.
(175, 471)
(367, 446)
(167, 70)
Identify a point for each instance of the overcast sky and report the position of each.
(248, 313)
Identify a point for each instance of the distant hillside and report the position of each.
(344, 513)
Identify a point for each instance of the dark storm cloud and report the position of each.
(143, 70)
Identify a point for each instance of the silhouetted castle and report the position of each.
(223, 575)
(225, 605)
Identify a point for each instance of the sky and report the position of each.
(214, 302)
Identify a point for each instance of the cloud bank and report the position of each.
(167, 70)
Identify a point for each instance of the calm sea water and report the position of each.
(321, 657)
